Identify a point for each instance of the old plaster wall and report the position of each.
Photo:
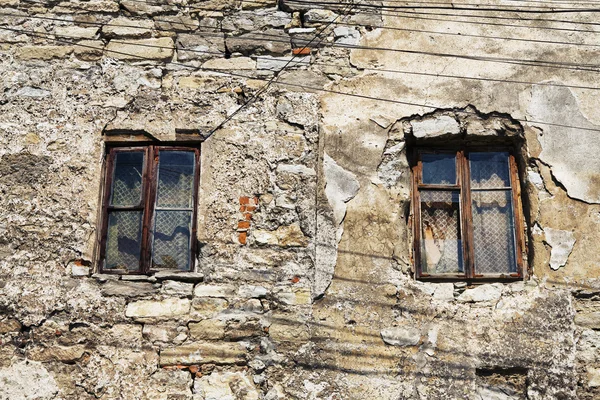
(315, 297)
(449, 337)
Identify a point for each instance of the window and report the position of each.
(467, 215)
(149, 209)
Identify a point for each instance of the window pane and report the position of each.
(439, 169)
(124, 240)
(441, 245)
(172, 246)
(489, 170)
(494, 232)
(127, 182)
(175, 179)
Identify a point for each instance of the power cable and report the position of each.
(300, 63)
(361, 96)
(271, 81)
(505, 60)
(196, 33)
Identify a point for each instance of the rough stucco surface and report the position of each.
(316, 299)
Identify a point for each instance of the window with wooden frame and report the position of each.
(467, 215)
(149, 209)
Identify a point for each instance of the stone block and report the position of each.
(76, 32)
(226, 385)
(89, 50)
(284, 236)
(167, 308)
(270, 41)
(124, 27)
(483, 293)
(589, 320)
(251, 291)
(128, 289)
(43, 52)
(232, 64)
(430, 127)
(214, 291)
(176, 23)
(208, 329)
(142, 8)
(288, 331)
(401, 336)
(161, 49)
(271, 63)
(179, 276)
(177, 288)
(317, 17)
(165, 332)
(258, 4)
(195, 47)
(207, 307)
(57, 353)
(204, 353)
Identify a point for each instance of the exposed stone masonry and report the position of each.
(303, 285)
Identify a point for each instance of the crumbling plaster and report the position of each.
(318, 301)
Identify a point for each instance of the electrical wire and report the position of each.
(402, 16)
(196, 33)
(301, 63)
(271, 81)
(503, 60)
(305, 87)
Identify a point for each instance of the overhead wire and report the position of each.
(271, 81)
(396, 15)
(300, 62)
(199, 26)
(302, 86)
(505, 60)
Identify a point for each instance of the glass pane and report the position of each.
(172, 232)
(124, 240)
(127, 182)
(441, 245)
(494, 232)
(175, 179)
(489, 170)
(439, 169)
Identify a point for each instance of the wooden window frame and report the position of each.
(466, 223)
(147, 203)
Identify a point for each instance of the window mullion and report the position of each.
(518, 214)
(466, 215)
(149, 190)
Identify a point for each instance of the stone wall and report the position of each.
(303, 286)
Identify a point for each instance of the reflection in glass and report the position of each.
(489, 170)
(441, 245)
(494, 232)
(172, 232)
(439, 169)
(175, 179)
(124, 239)
(127, 182)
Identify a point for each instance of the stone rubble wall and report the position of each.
(303, 286)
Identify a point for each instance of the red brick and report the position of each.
(243, 224)
(242, 237)
(244, 200)
(242, 208)
(250, 208)
(295, 279)
(248, 216)
(301, 51)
